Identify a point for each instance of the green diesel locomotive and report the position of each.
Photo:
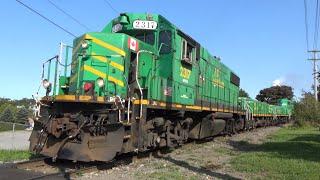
(139, 84)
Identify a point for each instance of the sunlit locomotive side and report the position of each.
(139, 84)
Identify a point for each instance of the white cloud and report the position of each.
(278, 82)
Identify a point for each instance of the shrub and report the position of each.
(307, 111)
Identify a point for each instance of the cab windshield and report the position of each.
(147, 37)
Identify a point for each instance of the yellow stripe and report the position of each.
(112, 79)
(106, 45)
(163, 104)
(65, 97)
(94, 71)
(143, 101)
(103, 75)
(206, 108)
(106, 60)
(193, 107)
(100, 99)
(178, 106)
(82, 98)
(85, 98)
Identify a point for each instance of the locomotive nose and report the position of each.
(98, 65)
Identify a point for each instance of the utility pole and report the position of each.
(315, 72)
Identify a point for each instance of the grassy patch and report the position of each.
(290, 153)
(6, 126)
(14, 155)
(225, 151)
(166, 175)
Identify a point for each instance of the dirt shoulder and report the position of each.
(207, 160)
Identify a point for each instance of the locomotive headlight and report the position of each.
(45, 83)
(85, 44)
(100, 82)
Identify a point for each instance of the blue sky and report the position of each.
(260, 40)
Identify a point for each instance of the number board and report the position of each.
(139, 24)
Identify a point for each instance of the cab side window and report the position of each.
(165, 42)
(187, 51)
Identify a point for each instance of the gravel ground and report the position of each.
(19, 140)
(208, 160)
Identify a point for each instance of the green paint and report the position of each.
(166, 75)
(285, 108)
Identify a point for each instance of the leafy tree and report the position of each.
(7, 114)
(4, 106)
(307, 110)
(243, 93)
(273, 94)
(22, 115)
(16, 104)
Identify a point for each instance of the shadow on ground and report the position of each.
(163, 154)
(199, 170)
(304, 147)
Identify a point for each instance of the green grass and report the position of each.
(288, 154)
(14, 155)
(226, 151)
(5, 126)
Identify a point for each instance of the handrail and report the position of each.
(58, 62)
(249, 111)
(139, 86)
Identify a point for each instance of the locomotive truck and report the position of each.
(139, 84)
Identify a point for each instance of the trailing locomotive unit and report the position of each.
(139, 84)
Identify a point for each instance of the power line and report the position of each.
(109, 4)
(306, 23)
(31, 9)
(69, 15)
(315, 44)
(316, 27)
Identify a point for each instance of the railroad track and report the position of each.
(61, 169)
(65, 169)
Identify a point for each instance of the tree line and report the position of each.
(16, 111)
(272, 94)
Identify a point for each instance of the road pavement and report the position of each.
(19, 140)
